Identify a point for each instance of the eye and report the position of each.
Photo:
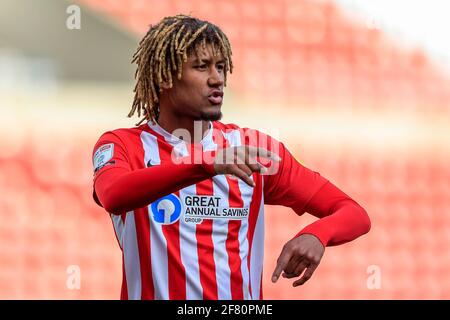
(220, 67)
(201, 67)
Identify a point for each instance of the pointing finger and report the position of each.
(282, 262)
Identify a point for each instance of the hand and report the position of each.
(300, 253)
(241, 161)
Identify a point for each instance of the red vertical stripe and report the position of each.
(261, 285)
(232, 243)
(205, 249)
(124, 290)
(141, 217)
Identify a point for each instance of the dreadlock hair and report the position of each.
(162, 52)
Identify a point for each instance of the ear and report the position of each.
(164, 85)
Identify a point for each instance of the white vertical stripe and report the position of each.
(189, 252)
(208, 142)
(131, 258)
(219, 237)
(118, 227)
(160, 273)
(188, 243)
(158, 244)
(233, 137)
(246, 194)
(257, 257)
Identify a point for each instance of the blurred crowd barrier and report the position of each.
(350, 103)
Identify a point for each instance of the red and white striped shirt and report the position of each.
(204, 240)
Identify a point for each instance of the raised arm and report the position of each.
(119, 189)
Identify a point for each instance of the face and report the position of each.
(199, 92)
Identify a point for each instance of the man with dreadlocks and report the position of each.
(186, 193)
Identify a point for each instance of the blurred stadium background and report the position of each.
(351, 100)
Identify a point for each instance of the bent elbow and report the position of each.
(109, 202)
(366, 223)
(111, 208)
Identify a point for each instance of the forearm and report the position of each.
(120, 190)
(347, 222)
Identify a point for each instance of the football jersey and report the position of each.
(205, 240)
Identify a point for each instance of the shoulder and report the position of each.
(121, 138)
(121, 135)
(115, 146)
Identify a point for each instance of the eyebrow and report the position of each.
(207, 61)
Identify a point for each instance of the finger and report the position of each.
(282, 262)
(306, 276)
(244, 157)
(240, 155)
(299, 270)
(261, 152)
(300, 267)
(257, 167)
(293, 263)
(246, 169)
(230, 155)
(242, 175)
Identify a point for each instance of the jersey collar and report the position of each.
(207, 141)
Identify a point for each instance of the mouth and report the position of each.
(216, 97)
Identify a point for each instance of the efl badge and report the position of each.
(102, 155)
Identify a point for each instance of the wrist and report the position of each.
(208, 162)
(209, 168)
(321, 234)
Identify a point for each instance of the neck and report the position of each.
(196, 129)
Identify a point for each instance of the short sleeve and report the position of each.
(292, 185)
(109, 153)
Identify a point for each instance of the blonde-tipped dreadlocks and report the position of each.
(162, 52)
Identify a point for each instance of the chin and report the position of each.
(211, 115)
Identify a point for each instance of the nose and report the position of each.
(215, 78)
